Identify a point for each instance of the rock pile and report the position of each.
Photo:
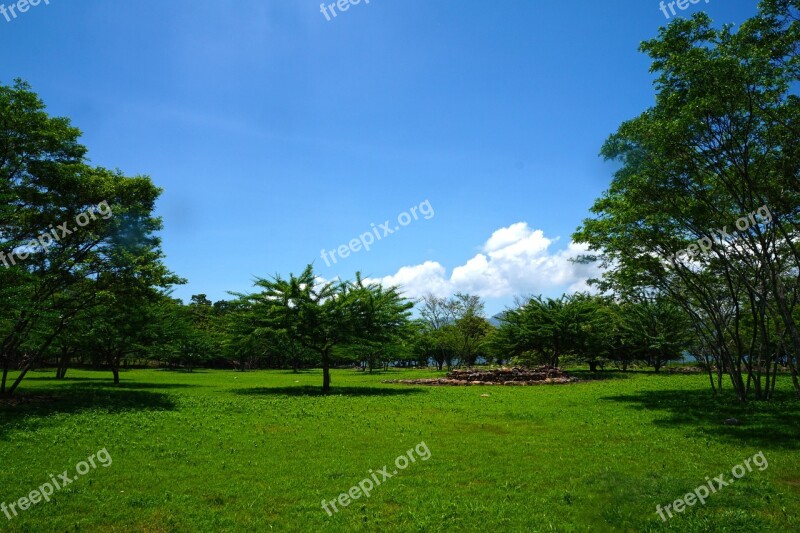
(686, 370)
(543, 375)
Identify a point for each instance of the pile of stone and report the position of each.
(543, 375)
(686, 370)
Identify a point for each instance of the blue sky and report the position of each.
(276, 133)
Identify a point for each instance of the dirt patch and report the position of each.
(793, 483)
(543, 375)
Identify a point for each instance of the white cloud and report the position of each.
(420, 279)
(514, 260)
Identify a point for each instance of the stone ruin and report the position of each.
(543, 375)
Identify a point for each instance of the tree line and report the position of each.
(101, 295)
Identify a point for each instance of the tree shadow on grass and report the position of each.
(185, 370)
(133, 385)
(586, 375)
(769, 425)
(32, 410)
(102, 383)
(289, 371)
(51, 377)
(309, 390)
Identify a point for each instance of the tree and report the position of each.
(657, 330)
(457, 326)
(472, 331)
(438, 313)
(720, 147)
(594, 339)
(69, 232)
(471, 326)
(425, 344)
(322, 316)
(543, 330)
(39, 155)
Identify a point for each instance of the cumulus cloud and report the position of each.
(514, 260)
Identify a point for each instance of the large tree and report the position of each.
(69, 232)
(717, 156)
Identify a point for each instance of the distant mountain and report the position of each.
(497, 320)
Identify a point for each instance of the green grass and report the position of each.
(257, 451)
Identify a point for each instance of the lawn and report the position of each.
(256, 451)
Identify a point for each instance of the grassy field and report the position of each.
(225, 451)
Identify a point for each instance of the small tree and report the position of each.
(322, 316)
(657, 330)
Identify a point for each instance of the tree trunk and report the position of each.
(19, 379)
(710, 373)
(592, 366)
(657, 363)
(63, 363)
(6, 363)
(793, 370)
(788, 319)
(326, 372)
(114, 361)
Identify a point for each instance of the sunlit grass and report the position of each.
(226, 451)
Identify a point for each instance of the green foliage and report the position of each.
(656, 330)
(720, 143)
(113, 262)
(593, 329)
(455, 329)
(543, 329)
(324, 317)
